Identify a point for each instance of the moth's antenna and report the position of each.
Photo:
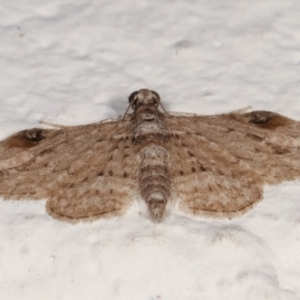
(158, 100)
(126, 111)
(159, 103)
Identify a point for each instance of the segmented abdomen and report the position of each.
(154, 179)
(151, 142)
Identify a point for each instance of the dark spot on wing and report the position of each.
(267, 119)
(254, 137)
(260, 117)
(280, 151)
(33, 135)
(26, 138)
(201, 167)
(190, 153)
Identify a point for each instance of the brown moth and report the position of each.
(213, 165)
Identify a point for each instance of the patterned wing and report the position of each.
(84, 171)
(221, 162)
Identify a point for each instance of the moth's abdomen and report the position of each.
(155, 187)
(150, 138)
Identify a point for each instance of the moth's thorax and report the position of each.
(148, 126)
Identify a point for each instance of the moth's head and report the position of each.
(143, 97)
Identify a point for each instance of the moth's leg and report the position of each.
(241, 110)
(54, 124)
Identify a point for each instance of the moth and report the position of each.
(212, 165)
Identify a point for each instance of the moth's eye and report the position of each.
(156, 97)
(131, 97)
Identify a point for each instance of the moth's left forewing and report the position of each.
(220, 162)
(261, 139)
